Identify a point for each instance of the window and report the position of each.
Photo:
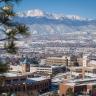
(15, 80)
(23, 79)
(8, 81)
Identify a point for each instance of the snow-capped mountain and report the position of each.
(40, 13)
(44, 23)
(31, 13)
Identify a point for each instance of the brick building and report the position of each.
(78, 86)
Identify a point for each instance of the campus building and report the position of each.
(57, 61)
(16, 83)
(19, 82)
(78, 87)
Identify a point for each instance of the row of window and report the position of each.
(14, 80)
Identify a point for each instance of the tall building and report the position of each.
(66, 61)
(85, 61)
(25, 65)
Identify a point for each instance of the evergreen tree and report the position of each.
(11, 30)
(9, 27)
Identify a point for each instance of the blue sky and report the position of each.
(84, 8)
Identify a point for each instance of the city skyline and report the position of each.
(68, 7)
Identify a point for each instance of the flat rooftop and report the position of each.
(80, 82)
(36, 79)
(10, 74)
(55, 58)
(81, 67)
(14, 74)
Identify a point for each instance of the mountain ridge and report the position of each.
(41, 13)
(45, 24)
(50, 25)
